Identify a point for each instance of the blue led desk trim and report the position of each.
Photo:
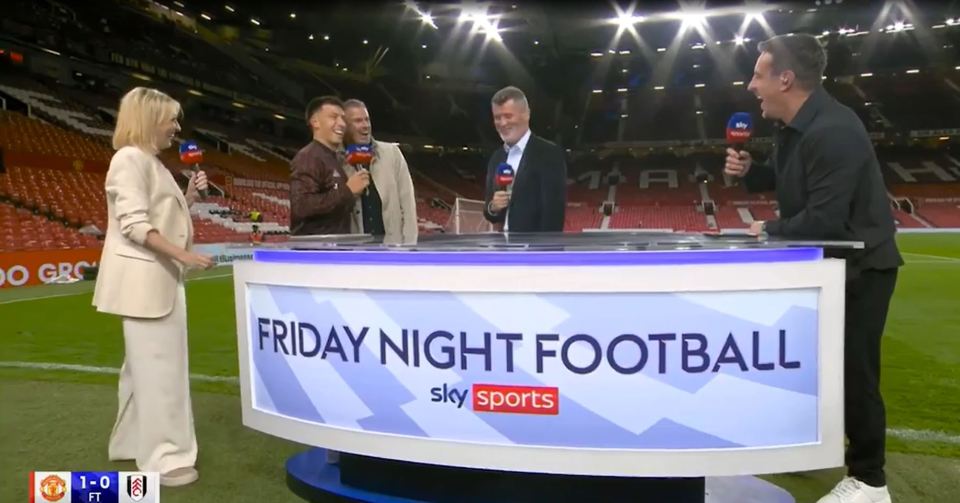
(538, 258)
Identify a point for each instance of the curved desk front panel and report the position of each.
(682, 363)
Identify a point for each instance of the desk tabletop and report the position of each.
(549, 249)
(559, 241)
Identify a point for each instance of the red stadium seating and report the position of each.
(462, 176)
(729, 218)
(907, 221)
(245, 200)
(438, 216)
(78, 198)
(763, 212)
(678, 218)
(19, 133)
(581, 217)
(21, 230)
(941, 214)
(49, 197)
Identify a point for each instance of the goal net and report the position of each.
(467, 218)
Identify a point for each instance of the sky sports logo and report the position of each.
(541, 400)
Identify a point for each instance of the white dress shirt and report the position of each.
(514, 156)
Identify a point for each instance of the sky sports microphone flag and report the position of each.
(99, 487)
(192, 155)
(739, 128)
(359, 155)
(504, 177)
(362, 156)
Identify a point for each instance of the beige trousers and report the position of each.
(155, 418)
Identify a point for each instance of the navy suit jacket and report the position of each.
(538, 200)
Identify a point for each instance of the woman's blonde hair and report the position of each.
(142, 111)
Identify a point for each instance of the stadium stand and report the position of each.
(657, 145)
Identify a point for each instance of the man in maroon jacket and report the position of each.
(321, 196)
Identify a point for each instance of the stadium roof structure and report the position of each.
(563, 48)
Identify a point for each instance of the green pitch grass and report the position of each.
(60, 420)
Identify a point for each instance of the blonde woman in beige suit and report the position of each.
(145, 254)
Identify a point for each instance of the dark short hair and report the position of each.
(354, 103)
(317, 103)
(801, 54)
(510, 93)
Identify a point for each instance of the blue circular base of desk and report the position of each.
(311, 477)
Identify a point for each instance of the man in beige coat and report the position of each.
(388, 207)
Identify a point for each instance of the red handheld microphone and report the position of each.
(190, 154)
(504, 178)
(739, 129)
(360, 155)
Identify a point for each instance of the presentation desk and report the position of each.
(593, 367)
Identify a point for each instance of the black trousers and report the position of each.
(867, 302)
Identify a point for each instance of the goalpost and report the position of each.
(467, 218)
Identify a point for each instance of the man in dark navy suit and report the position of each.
(536, 201)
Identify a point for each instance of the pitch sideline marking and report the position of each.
(943, 258)
(89, 369)
(84, 292)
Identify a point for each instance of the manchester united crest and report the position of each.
(53, 488)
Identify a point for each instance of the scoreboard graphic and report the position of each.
(94, 487)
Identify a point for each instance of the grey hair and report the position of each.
(801, 54)
(354, 103)
(511, 93)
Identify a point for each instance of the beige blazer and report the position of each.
(134, 281)
(391, 176)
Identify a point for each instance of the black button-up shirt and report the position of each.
(372, 211)
(828, 183)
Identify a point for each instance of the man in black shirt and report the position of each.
(829, 186)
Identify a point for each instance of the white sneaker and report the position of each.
(851, 490)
